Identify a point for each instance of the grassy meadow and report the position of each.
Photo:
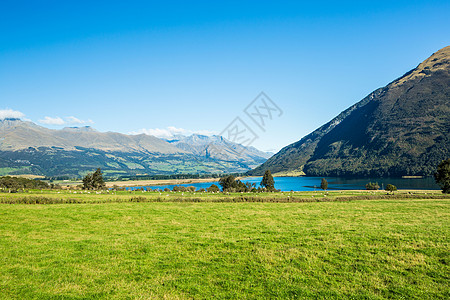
(336, 245)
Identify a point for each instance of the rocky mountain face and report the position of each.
(26, 148)
(400, 129)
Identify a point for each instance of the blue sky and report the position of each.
(169, 66)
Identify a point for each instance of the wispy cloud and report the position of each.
(74, 120)
(9, 113)
(66, 121)
(52, 121)
(170, 132)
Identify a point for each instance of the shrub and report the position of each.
(372, 186)
(391, 188)
(213, 188)
(179, 188)
(15, 183)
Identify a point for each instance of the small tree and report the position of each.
(94, 181)
(442, 176)
(324, 184)
(267, 181)
(391, 188)
(97, 180)
(228, 183)
(87, 182)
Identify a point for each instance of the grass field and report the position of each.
(111, 248)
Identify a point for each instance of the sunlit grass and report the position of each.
(355, 249)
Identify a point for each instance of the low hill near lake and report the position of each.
(400, 129)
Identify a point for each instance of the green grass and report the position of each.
(361, 249)
(77, 196)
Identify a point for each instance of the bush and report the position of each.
(391, 188)
(232, 185)
(213, 189)
(179, 188)
(372, 186)
(16, 183)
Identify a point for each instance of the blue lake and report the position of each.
(313, 183)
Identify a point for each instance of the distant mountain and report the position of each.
(401, 129)
(28, 148)
(217, 147)
(17, 134)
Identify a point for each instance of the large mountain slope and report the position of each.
(401, 129)
(28, 148)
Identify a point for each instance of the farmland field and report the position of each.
(202, 246)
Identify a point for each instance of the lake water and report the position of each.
(334, 183)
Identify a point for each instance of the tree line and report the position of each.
(13, 184)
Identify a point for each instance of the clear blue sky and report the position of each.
(131, 65)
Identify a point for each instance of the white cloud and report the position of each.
(66, 121)
(75, 120)
(52, 121)
(170, 132)
(9, 113)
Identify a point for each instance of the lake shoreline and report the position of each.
(303, 183)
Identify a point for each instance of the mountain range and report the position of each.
(400, 129)
(26, 148)
(217, 147)
(397, 130)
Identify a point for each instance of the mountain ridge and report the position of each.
(29, 148)
(217, 147)
(19, 134)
